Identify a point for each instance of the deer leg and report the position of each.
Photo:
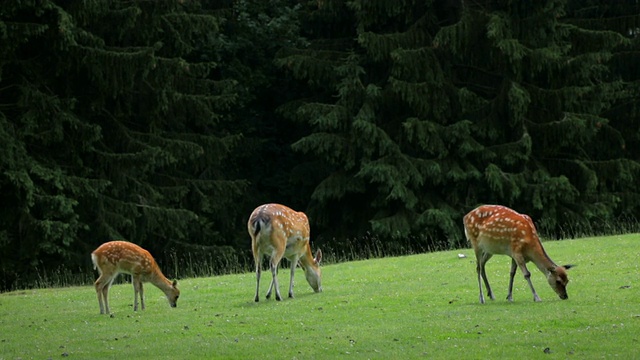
(274, 273)
(274, 281)
(141, 291)
(480, 261)
(98, 285)
(479, 281)
(105, 295)
(512, 274)
(276, 257)
(102, 290)
(99, 288)
(486, 283)
(294, 264)
(478, 272)
(258, 273)
(136, 290)
(483, 273)
(527, 275)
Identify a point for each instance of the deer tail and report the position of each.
(260, 223)
(94, 260)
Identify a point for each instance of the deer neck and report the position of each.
(308, 263)
(543, 261)
(160, 281)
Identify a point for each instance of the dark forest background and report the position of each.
(167, 122)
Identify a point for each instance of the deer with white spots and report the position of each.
(278, 231)
(495, 229)
(116, 257)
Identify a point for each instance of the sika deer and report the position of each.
(495, 229)
(278, 231)
(115, 257)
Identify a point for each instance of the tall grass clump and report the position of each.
(370, 246)
(623, 224)
(222, 260)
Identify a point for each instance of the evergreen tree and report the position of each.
(168, 144)
(114, 116)
(43, 178)
(425, 118)
(255, 31)
(167, 122)
(368, 126)
(620, 136)
(328, 27)
(537, 88)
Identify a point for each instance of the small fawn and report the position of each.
(495, 229)
(115, 257)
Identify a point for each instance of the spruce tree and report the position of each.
(368, 123)
(168, 144)
(44, 178)
(619, 137)
(114, 115)
(424, 118)
(537, 88)
(255, 31)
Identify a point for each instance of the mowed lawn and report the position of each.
(418, 306)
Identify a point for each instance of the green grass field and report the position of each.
(395, 308)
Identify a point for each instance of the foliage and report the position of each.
(427, 121)
(167, 122)
(112, 132)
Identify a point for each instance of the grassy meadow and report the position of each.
(417, 306)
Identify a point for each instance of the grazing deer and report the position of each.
(278, 231)
(495, 229)
(115, 257)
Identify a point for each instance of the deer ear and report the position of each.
(568, 266)
(175, 283)
(318, 257)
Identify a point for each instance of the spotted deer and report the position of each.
(278, 231)
(495, 229)
(116, 257)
